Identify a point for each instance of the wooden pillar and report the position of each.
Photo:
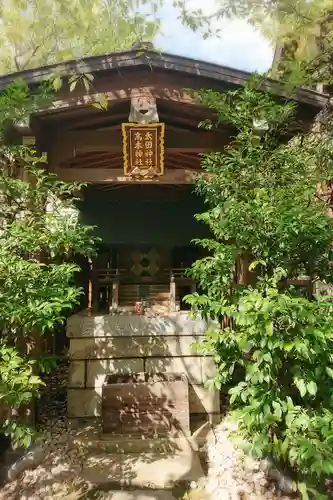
(115, 294)
(90, 290)
(94, 291)
(172, 302)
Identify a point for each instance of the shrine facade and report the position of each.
(139, 155)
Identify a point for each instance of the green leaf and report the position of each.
(86, 84)
(72, 85)
(277, 409)
(300, 384)
(26, 442)
(57, 83)
(312, 388)
(269, 328)
(256, 263)
(27, 395)
(102, 102)
(302, 488)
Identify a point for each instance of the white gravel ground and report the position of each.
(234, 476)
(231, 475)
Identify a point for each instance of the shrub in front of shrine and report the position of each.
(40, 236)
(269, 250)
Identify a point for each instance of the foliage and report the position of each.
(36, 33)
(18, 385)
(303, 33)
(40, 236)
(301, 28)
(272, 340)
(39, 32)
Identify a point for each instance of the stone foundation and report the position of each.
(101, 345)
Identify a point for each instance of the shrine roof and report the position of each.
(154, 59)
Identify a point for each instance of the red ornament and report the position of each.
(139, 309)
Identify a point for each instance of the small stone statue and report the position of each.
(143, 107)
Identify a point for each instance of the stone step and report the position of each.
(142, 470)
(124, 289)
(83, 325)
(91, 438)
(138, 495)
(125, 444)
(156, 299)
(134, 290)
(158, 294)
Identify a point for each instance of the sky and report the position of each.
(238, 45)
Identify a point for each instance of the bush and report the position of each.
(274, 342)
(40, 238)
(18, 386)
(283, 346)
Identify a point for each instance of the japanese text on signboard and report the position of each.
(143, 149)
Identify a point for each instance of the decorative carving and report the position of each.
(143, 107)
(143, 46)
(143, 149)
(145, 263)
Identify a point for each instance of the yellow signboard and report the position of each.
(143, 149)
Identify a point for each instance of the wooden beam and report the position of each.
(111, 176)
(99, 161)
(65, 146)
(167, 86)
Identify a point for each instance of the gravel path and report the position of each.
(231, 475)
(234, 476)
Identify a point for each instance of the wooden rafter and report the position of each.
(106, 176)
(109, 160)
(71, 145)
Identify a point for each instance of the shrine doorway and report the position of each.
(146, 247)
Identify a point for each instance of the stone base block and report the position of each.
(136, 347)
(146, 470)
(140, 495)
(108, 344)
(87, 435)
(81, 325)
(203, 400)
(97, 369)
(84, 402)
(87, 402)
(149, 408)
(98, 442)
(77, 374)
(197, 369)
(190, 365)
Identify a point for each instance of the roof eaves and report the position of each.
(155, 59)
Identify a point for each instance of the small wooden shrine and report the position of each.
(139, 158)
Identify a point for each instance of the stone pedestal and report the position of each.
(108, 344)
